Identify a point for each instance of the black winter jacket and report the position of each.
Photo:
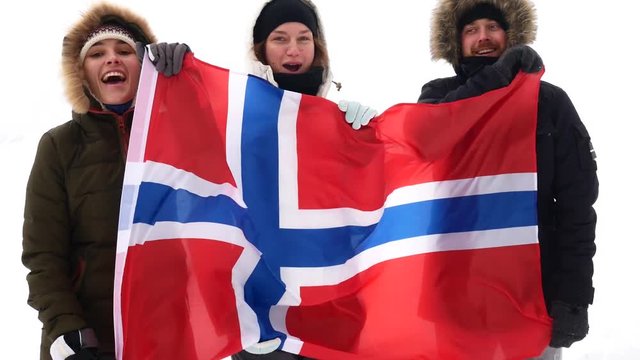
(567, 181)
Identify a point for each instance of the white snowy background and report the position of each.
(380, 52)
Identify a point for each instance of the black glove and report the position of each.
(85, 354)
(488, 78)
(168, 57)
(570, 324)
(75, 345)
(516, 58)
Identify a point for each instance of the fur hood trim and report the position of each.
(72, 73)
(445, 40)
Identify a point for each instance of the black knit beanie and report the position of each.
(277, 12)
(483, 11)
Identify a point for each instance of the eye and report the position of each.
(95, 54)
(305, 38)
(278, 39)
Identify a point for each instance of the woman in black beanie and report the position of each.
(290, 49)
(291, 52)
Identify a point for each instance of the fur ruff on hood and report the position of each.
(445, 39)
(72, 73)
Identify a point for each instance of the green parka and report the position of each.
(73, 198)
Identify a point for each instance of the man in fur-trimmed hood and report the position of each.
(486, 43)
(445, 26)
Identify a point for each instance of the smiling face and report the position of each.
(290, 49)
(483, 37)
(111, 69)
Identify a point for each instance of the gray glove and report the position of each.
(520, 57)
(168, 57)
(140, 50)
(570, 324)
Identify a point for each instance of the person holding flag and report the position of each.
(289, 50)
(485, 41)
(73, 192)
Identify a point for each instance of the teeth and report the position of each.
(113, 74)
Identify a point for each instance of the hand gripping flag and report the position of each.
(251, 213)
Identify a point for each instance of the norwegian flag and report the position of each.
(251, 213)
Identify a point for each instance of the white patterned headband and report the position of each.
(105, 32)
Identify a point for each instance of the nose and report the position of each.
(293, 49)
(113, 58)
(483, 33)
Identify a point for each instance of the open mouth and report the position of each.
(485, 51)
(113, 77)
(292, 67)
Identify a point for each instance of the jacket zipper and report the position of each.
(122, 129)
(124, 136)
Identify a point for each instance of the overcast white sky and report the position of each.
(379, 51)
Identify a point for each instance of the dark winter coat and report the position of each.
(71, 224)
(567, 181)
(73, 197)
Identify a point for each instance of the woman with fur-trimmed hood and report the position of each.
(73, 192)
(485, 42)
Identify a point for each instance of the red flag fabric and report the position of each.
(251, 213)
